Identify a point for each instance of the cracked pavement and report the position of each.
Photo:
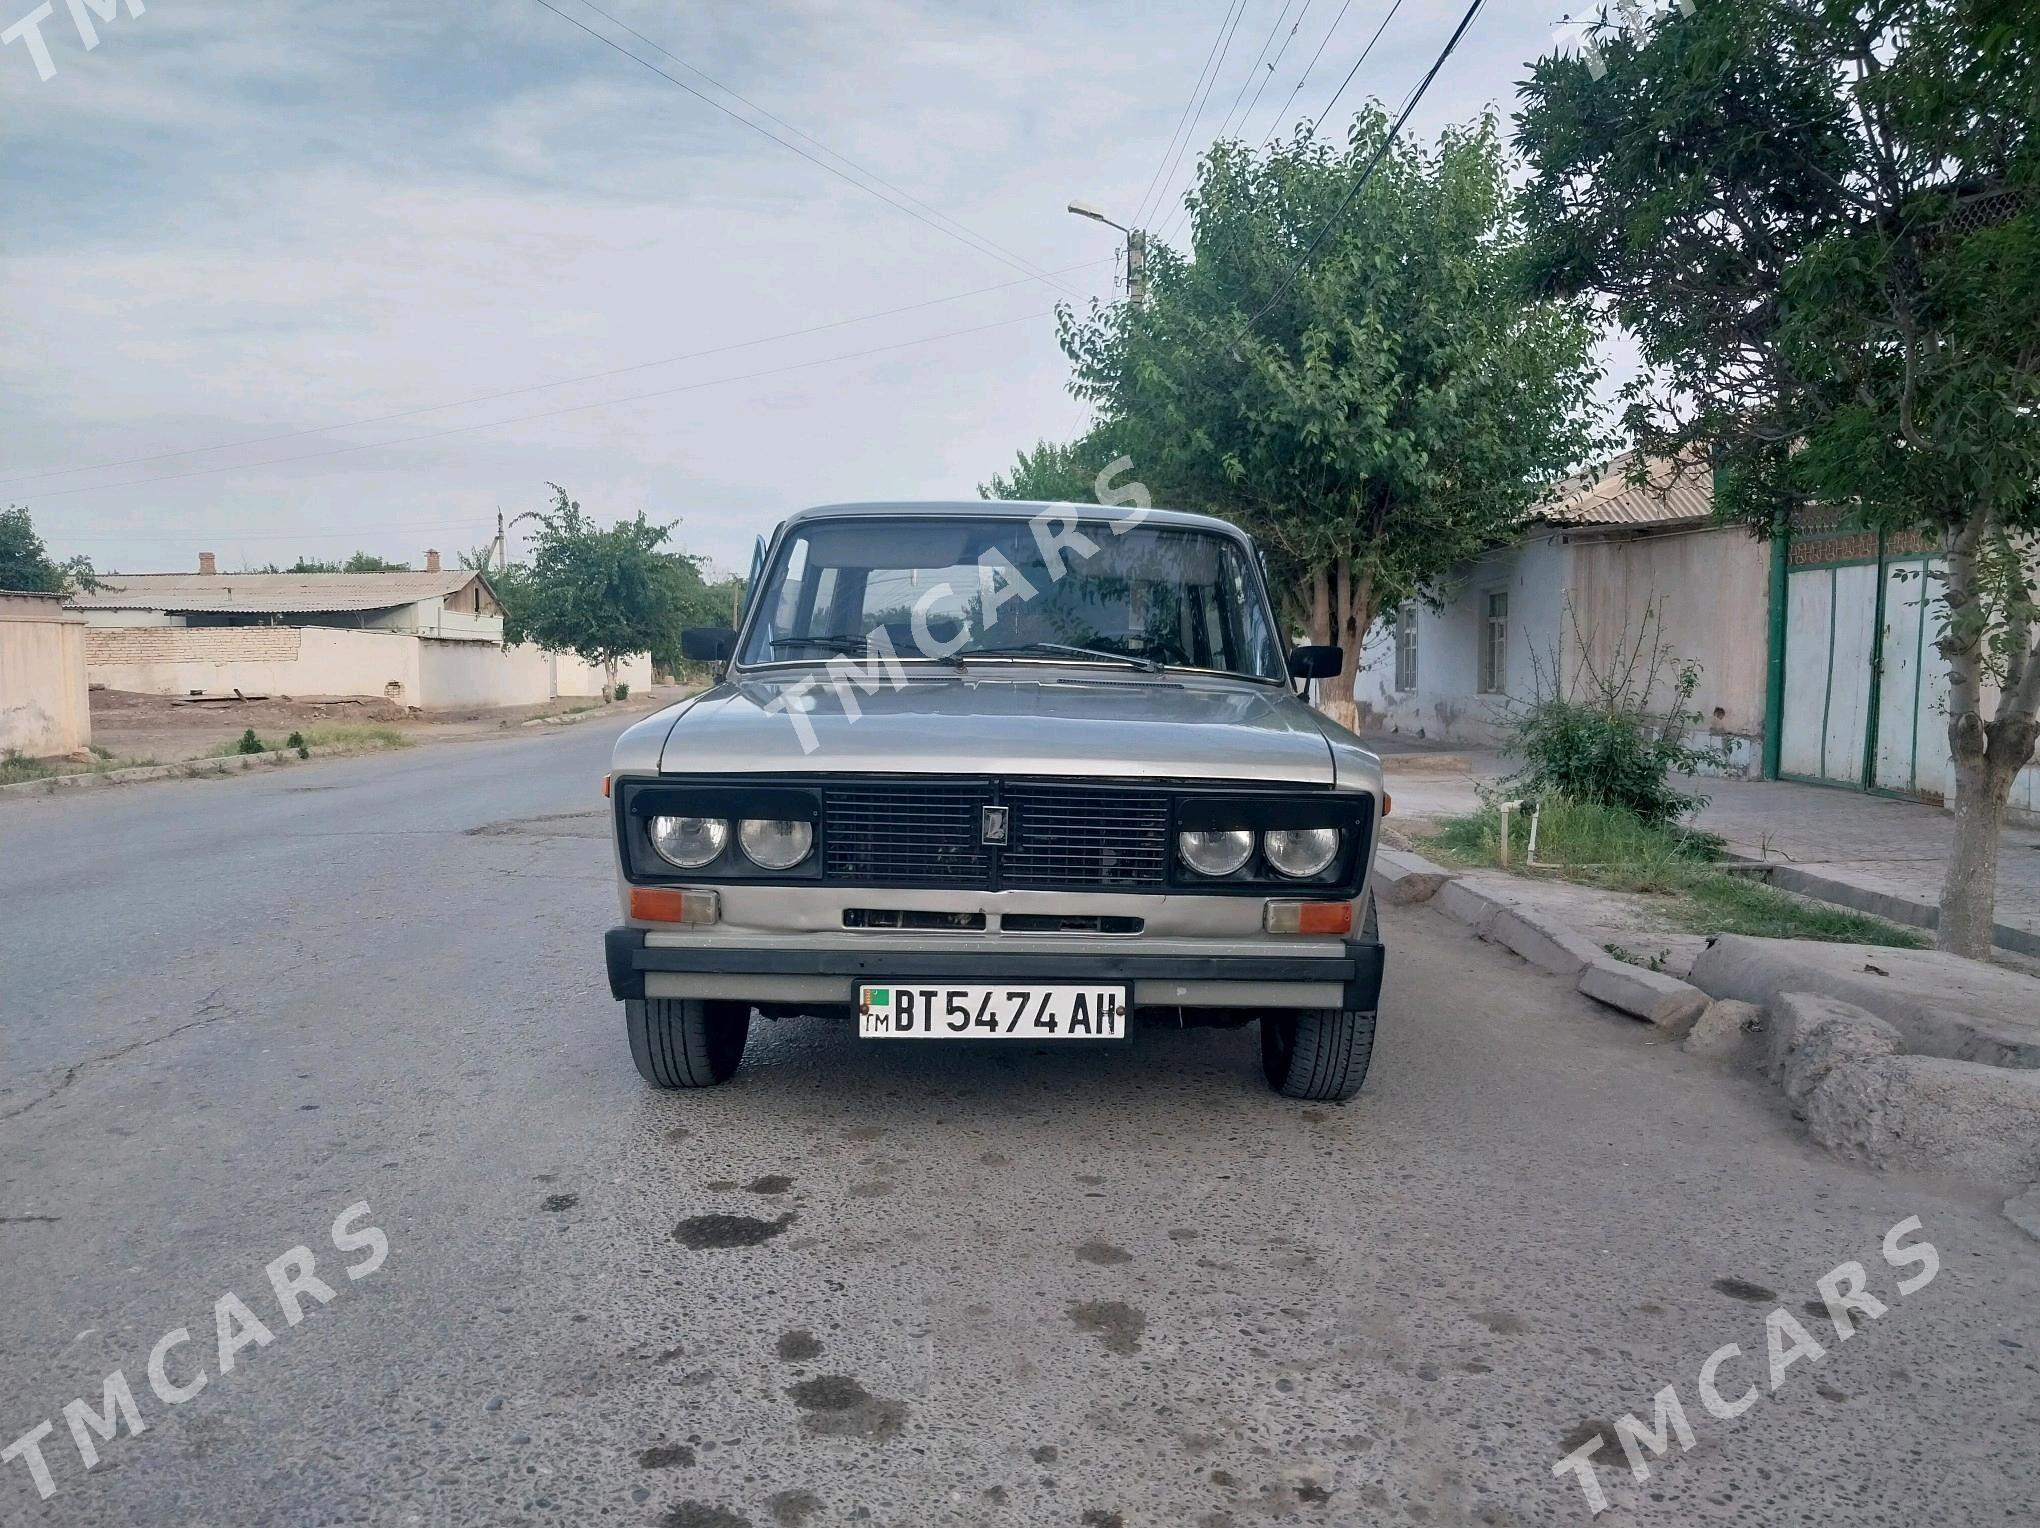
(895, 1286)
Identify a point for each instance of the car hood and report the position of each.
(1146, 727)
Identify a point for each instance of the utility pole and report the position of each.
(1136, 250)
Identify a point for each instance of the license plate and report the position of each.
(991, 1013)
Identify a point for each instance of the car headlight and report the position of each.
(775, 844)
(1215, 851)
(689, 842)
(1301, 852)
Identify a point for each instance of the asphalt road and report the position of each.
(1051, 1287)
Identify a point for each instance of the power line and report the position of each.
(1367, 174)
(1210, 54)
(864, 170)
(1295, 27)
(578, 408)
(1318, 120)
(1304, 78)
(970, 241)
(1169, 175)
(1253, 71)
(537, 387)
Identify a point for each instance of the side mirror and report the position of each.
(708, 644)
(1316, 662)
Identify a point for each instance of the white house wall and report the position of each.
(1712, 587)
(1448, 704)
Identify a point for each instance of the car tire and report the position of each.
(686, 1042)
(1320, 1054)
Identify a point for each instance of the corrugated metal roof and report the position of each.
(268, 593)
(1607, 497)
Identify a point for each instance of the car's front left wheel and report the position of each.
(686, 1042)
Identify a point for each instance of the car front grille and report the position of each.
(1062, 836)
(921, 835)
(1057, 835)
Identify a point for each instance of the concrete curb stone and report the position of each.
(1932, 1114)
(1544, 941)
(1665, 1001)
(1727, 1031)
(1811, 1035)
(1402, 878)
(185, 769)
(1471, 903)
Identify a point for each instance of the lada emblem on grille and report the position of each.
(992, 828)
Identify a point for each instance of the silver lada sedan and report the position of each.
(1000, 771)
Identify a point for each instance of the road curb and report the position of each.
(1401, 877)
(1879, 904)
(186, 769)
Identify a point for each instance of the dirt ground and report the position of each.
(163, 730)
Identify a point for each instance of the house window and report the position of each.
(1494, 646)
(1406, 647)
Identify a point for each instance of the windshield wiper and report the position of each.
(1103, 655)
(831, 644)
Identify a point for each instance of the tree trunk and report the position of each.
(609, 680)
(1986, 757)
(1969, 893)
(1320, 608)
(1336, 701)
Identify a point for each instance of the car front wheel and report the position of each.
(686, 1042)
(1320, 1053)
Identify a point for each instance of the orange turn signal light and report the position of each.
(1387, 801)
(1308, 918)
(668, 904)
(605, 788)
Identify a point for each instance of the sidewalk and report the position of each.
(1873, 853)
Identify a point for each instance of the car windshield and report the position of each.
(1049, 589)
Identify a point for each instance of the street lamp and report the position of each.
(1136, 250)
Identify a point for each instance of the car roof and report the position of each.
(1011, 509)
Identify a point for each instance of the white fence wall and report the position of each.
(43, 708)
(432, 673)
(266, 660)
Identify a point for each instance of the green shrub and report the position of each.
(1616, 731)
(250, 743)
(623, 692)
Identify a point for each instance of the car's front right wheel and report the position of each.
(686, 1042)
(1319, 1053)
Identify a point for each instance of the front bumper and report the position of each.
(830, 975)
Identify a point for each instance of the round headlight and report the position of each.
(689, 842)
(1218, 851)
(1300, 852)
(773, 844)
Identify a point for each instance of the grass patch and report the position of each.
(338, 735)
(18, 769)
(1608, 848)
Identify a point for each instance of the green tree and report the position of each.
(1390, 410)
(1061, 474)
(26, 566)
(1821, 220)
(602, 594)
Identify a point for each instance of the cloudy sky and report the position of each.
(264, 268)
